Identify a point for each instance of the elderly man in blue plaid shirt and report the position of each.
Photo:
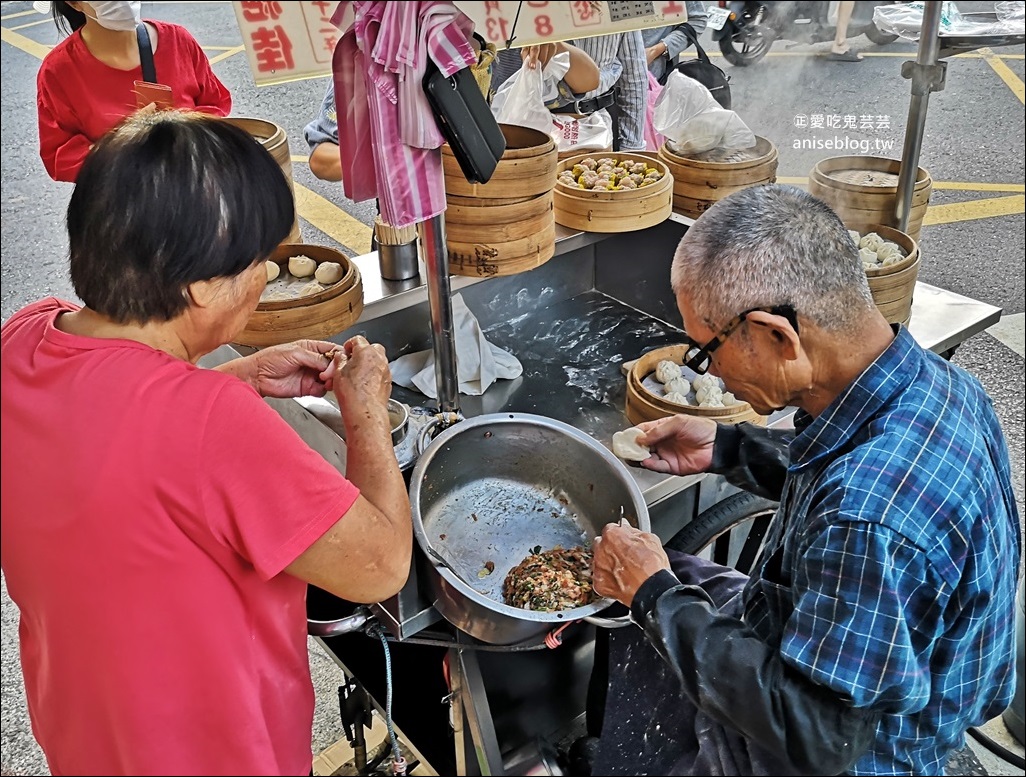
(878, 623)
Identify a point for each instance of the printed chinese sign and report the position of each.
(516, 23)
(287, 41)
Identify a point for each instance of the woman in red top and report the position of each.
(86, 84)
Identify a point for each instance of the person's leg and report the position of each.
(840, 45)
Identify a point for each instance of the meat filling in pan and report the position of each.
(546, 581)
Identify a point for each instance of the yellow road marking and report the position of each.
(958, 186)
(305, 160)
(27, 45)
(1012, 81)
(16, 15)
(903, 54)
(332, 220)
(40, 50)
(47, 20)
(225, 54)
(977, 209)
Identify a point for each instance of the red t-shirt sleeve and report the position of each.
(265, 492)
(62, 148)
(213, 96)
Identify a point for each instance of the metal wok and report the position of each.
(489, 490)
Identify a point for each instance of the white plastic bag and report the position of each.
(521, 100)
(906, 19)
(687, 114)
(585, 133)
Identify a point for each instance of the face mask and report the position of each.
(118, 16)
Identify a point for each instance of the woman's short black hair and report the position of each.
(67, 18)
(167, 199)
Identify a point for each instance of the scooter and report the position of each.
(746, 31)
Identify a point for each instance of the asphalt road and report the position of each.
(974, 151)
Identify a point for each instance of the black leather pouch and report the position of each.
(466, 121)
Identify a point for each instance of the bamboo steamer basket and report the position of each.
(893, 286)
(864, 189)
(524, 171)
(318, 316)
(273, 138)
(505, 226)
(642, 405)
(614, 211)
(699, 184)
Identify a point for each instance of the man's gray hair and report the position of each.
(771, 245)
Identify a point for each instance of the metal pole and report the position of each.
(443, 335)
(926, 77)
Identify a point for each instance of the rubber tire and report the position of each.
(734, 57)
(741, 510)
(877, 36)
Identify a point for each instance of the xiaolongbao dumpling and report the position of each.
(676, 398)
(714, 401)
(273, 270)
(855, 237)
(313, 287)
(729, 399)
(678, 384)
(328, 273)
(666, 371)
(888, 250)
(868, 258)
(708, 393)
(302, 266)
(872, 241)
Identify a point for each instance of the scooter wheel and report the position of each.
(746, 47)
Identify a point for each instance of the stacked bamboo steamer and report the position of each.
(893, 286)
(505, 226)
(604, 210)
(864, 189)
(643, 405)
(701, 180)
(273, 138)
(317, 316)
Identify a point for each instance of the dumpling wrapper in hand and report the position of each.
(302, 266)
(626, 445)
(328, 273)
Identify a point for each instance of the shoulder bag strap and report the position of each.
(149, 72)
(693, 37)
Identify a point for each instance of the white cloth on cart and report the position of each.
(479, 363)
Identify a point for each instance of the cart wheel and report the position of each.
(731, 532)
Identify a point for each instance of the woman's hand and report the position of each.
(363, 377)
(298, 369)
(680, 445)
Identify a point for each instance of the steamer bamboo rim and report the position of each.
(864, 174)
(764, 149)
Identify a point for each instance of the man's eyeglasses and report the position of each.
(699, 359)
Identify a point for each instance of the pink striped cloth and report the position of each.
(388, 139)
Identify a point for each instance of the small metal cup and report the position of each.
(399, 416)
(398, 263)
